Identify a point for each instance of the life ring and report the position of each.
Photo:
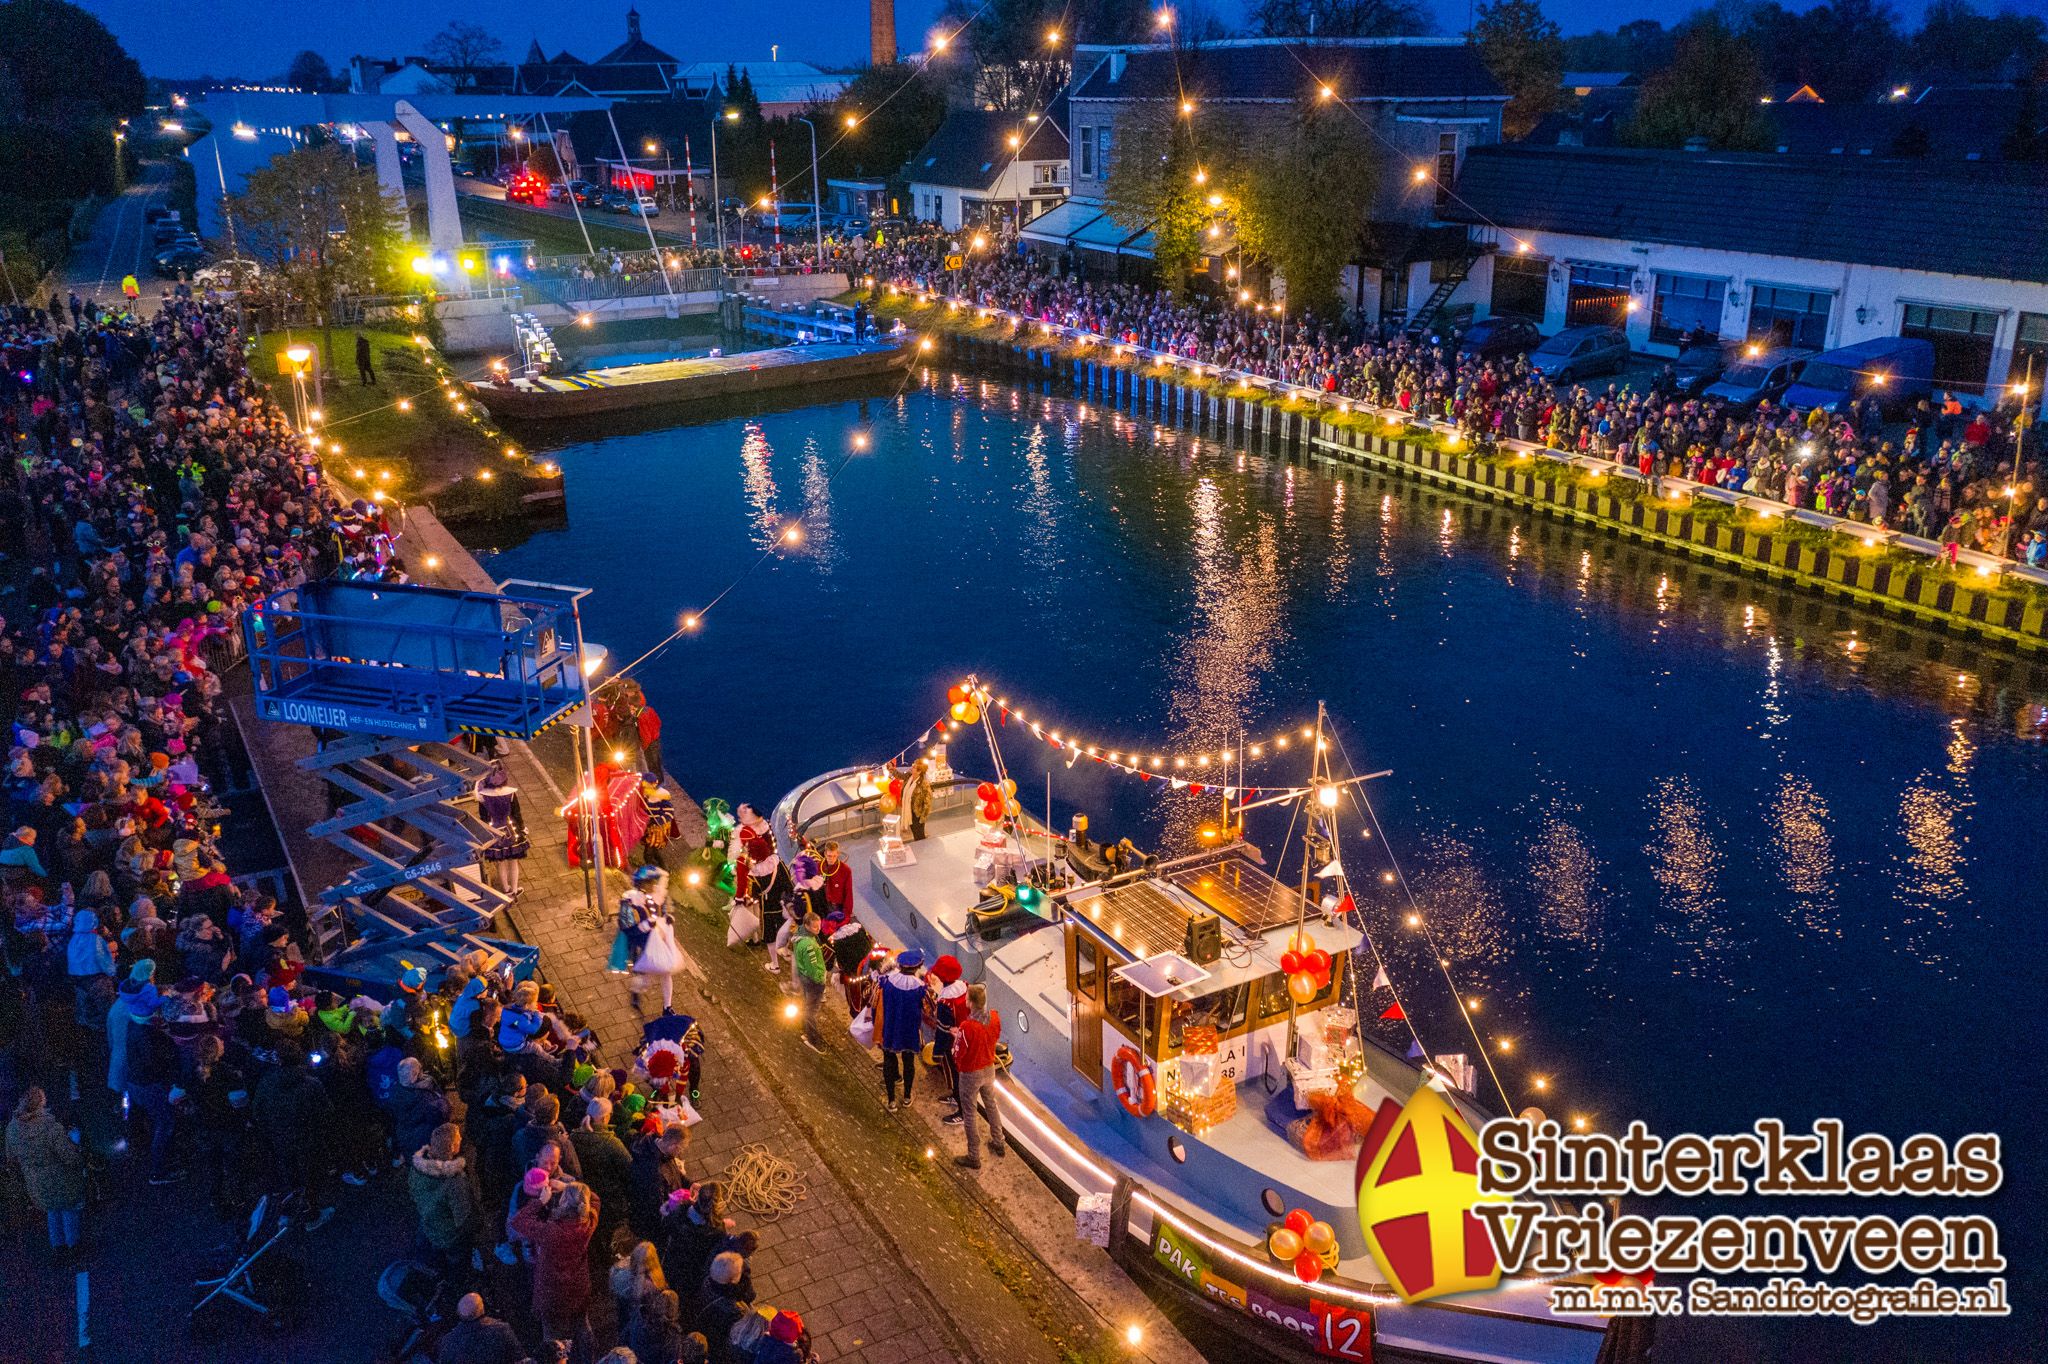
(1135, 1088)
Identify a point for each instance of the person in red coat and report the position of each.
(560, 1237)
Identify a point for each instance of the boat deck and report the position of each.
(698, 367)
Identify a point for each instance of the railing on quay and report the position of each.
(1672, 487)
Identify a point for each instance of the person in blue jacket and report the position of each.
(899, 1022)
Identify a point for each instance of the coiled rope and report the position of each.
(762, 1183)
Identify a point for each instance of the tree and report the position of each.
(1155, 180)
(322, 228)
(61, 67)
(464, 49)
(1340, 18)
(310, 71)
(1303, 191)
(1955, 38)
(1713, 90)
(1004, 48)
(895, 110)
(1525, 53)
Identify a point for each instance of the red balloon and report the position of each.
(992, 811)
(987, 791)
(1290, 962)
(956, 694)
(896, 787)
(1308, 1266)
(1299, 1222)
(1317, 963)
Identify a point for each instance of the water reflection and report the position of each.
(1566, 874)
(757, 477)
(1931, 888)
(1805, 855)
(1685, 862)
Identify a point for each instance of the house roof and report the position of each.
(1290, 69)
(1980, 219)
(1962, 123)
(971, 148)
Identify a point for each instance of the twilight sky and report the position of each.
(258, 37)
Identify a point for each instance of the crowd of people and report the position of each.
(155, 1011)
(1936, 470)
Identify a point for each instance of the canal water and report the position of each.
(1697, 850)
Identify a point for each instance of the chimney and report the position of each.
(881, 32)
(1116, 65)
(632, 25)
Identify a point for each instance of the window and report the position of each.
(1685, 303)
(1102, 150)
(1446, 168)
(2030, 355)
(1521, 285)
(1962, 337)
(1789, 317)
(1085, 139)
(1598, 295)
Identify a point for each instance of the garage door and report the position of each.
(1521, 286)
(1599, 295)
(1963, 340)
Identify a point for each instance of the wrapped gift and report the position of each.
(1338, 1024)
(1091, 1219)
(1309, 1083)
(1199, 1074)
(1313, 1050)
(1199, 1040)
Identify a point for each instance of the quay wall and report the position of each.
(1904, 583)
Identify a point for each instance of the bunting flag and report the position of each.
(1415, 1051)
(1334, 868)
(1394, 1011)
(1346, 907)
(1380, 981)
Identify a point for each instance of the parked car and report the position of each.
(166, 229)
(641, 205)
(178, 260)
(157, 213)
(1759, 375)
(233, 272)
(1580, 353)
(1701, 364)
(1895, 370)
(1497, 338)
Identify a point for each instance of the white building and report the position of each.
(1812, 251)
(982, 165)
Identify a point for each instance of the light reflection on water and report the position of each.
(1706, 848)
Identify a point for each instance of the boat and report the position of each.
(1162, 1074)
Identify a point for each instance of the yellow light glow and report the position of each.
(1325, 92)
(1421, 174)
(1134, 1334)
(433, 561)
(1187, 106)
(792, 535)
(1540, 1082)
(405, 404)
(1415, 921)
(689, 622)
(1052, 35)
(485, 474)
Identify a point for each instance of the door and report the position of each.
(1084, 1009)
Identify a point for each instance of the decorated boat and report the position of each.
(1187, 1064)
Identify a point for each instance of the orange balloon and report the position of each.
(1302, 986)
(1285, 1243)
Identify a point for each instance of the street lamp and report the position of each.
(299, 356)
(817, 187)
(717, 203)
(650, 146)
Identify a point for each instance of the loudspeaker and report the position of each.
(1203, 942)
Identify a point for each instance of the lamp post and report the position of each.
(650, 146)
(299, 356)
(717, 203)
(817, 202)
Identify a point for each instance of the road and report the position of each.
(677, 234)
(120, 244)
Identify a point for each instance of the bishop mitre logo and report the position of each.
(1418, 1179)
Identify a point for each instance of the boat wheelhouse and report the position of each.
(1164, 1069)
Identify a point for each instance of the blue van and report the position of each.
(1895, 370)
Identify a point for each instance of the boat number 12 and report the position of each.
(1344, 1334)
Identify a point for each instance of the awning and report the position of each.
(1056, 225)
(1140, 245)
(1107, 234)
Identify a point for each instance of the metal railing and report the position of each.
(1670, 486)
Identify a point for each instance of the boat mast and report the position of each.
(1316, 778)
